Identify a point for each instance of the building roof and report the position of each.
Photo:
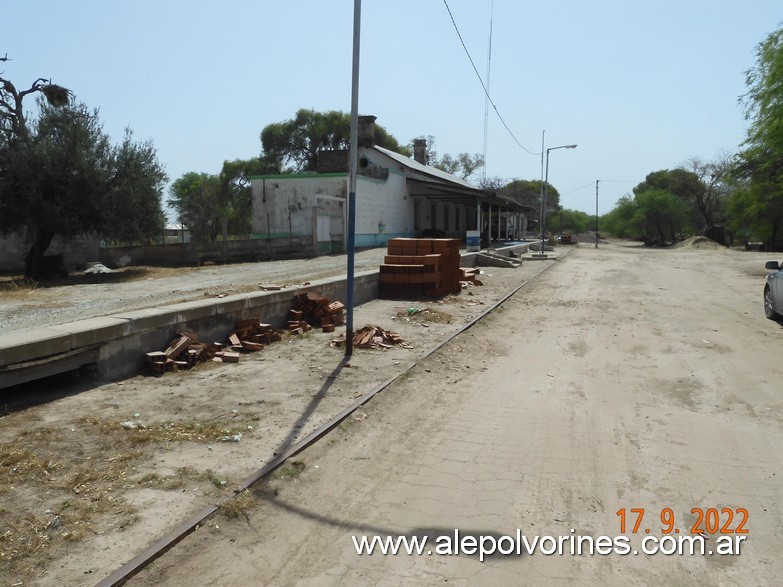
(436, 184)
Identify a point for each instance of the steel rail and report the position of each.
(193, 523)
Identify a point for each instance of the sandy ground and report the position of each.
(92, 473)
(621, 378)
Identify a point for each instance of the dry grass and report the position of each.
(17, 288)
(237, 505)
(60, 484)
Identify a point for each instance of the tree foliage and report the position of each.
(203, 201)
(196, 198)
(528, 192)
(63, 177)
(292, 146)
(463, 165)
(60, 175)
(759, 166)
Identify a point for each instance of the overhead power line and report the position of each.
(481, 81)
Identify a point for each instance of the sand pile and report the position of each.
(698, 242)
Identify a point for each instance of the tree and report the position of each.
(620, 220)
(61, 176)
(133, 211)
(54, 177)
(292, 146)
(528, 193)
(235, 192)
(759, 166)
(659, 215)
(463, 165)
(710, 201)
(573, 221)
(204, 201)
(196, 198)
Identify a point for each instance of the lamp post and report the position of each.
(546, 185)
(596, 212)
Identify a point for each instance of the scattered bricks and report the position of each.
(328, 328)
(296, 330)
(295, 315)
(376, 337)
(316, 311)
(229, 357)
(252, 346)
(156, 357)
(234, 340)
(263, 327)
(178, 347)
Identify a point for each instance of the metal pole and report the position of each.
(352, 163)
(541, 194)
(543, 202)
(596, 213)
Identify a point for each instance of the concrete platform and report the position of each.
(116, 344)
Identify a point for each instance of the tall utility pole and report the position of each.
(352, 162)
(596, 212)
(541, 195)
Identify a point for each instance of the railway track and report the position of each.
(287, 451)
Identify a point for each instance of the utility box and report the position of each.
(473, 241)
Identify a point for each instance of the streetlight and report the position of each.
(546, 185)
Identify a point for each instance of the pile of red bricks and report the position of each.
(186, 349)
(312, 309)
(417, 268)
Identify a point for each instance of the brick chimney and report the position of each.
(420, 151)
(366, 131)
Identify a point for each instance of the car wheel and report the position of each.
(769, 312)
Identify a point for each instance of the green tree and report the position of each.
(63, 177)
(196, 197)
(620, 221)
(463, 165)
(54, 179)
(709, 202)
(572, 221)
(59, 175)
(292, 146)
(659, 215)
(528, 193)
(133, 211)
(235, 192)
(759, 166)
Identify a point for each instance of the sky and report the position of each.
(638, 85)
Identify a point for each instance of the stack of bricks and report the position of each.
(318, 311)
(416, 268)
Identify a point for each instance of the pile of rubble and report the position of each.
(249, 335)
(372, 337)
(314, 310)
(186, 350)
(469, 277)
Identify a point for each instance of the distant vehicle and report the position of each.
(773, 291)
(565, 239)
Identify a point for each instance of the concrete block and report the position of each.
(197, 310)
(94, 331)
(148, 319)
(21, 346)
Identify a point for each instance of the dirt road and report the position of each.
(622, 378)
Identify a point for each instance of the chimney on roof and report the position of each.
(367, 131)
(420, 151)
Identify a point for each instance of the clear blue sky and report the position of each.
(639, 85)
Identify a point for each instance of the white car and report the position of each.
(773, 291)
